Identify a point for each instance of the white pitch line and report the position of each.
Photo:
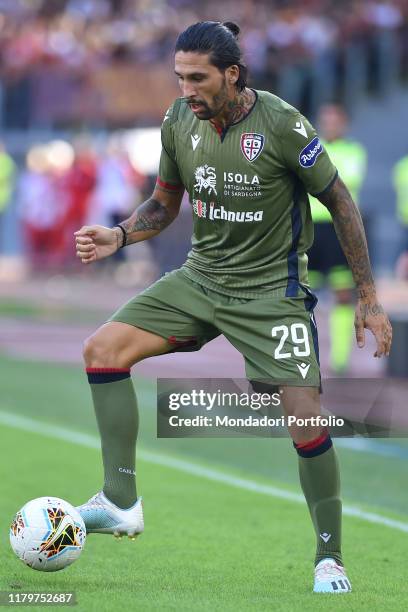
(81, 439)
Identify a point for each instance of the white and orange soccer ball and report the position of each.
(47, 534)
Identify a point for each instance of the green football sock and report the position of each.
(320, 481)
(118, 421)
(341, 324)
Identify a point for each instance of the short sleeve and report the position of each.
(305, 155)
(169, 175)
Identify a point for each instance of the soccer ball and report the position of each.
(47, 534)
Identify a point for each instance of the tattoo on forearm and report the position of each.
(350, 232)
(366, 292)
(149, 216)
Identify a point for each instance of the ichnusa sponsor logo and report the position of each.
(310, 153)
(219, 213)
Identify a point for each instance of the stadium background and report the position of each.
(83, 88)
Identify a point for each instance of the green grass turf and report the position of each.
(50, 312)
(207, 546)
(60, 395)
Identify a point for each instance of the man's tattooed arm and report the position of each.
(149, 219)
(350, 232)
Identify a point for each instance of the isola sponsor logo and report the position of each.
(213, 212)
(310, 153)
(241, 179)
(237, 185)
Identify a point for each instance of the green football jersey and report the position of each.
(248, 190)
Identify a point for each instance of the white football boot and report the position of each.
(100, 515)
(330, 578)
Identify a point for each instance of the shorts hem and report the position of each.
(142, 327)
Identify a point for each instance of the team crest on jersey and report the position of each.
(252, 145)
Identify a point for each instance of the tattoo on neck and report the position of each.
(239, 107)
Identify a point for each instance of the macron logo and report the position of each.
(195, 140)
(325, 537)
(300, 129)
(303, 369)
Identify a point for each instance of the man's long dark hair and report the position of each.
(219, 41)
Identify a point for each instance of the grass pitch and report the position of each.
(207, 545)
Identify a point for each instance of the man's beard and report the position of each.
(219, 100)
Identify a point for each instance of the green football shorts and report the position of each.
(277, 336)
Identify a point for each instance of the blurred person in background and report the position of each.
(400, 181)
(79, 183)
(7, 184)
(118, 187)
(42, 209)
(327, 263)
(304, 41)
(385, 19)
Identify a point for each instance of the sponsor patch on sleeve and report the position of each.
(310, 153)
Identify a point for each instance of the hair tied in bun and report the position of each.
(232, 27)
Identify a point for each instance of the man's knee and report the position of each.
(102, 351)
(302, 404)
(117, 345)
(96, 352)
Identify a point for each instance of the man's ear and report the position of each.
(232, 74)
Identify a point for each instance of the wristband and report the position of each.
(124, 236)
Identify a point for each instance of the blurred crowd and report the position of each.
(107, 64)
(308, 51)
(62, 187)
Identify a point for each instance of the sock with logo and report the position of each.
(341, 323)
(118, 421)
(320, 481)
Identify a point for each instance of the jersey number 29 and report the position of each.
(300, 340)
